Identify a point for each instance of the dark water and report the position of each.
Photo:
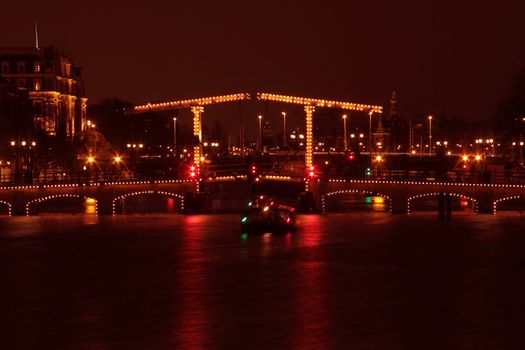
(344, 281)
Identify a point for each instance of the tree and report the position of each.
(111, 121)
(512, 109)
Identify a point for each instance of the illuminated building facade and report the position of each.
(53, 86)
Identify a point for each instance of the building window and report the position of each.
(21, 83)
(37, 67)
(38, 84)
(21, 67)
(5, 67)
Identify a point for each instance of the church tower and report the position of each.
(396, 126)
(394, 113)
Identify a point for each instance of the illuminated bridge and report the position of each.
(401, 194)
(110, 197)
(197, 105)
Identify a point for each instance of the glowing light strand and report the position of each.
(319, 102)
(203, 101)
(46, 198)
(138, 193)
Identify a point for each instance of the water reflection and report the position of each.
(150, 203)
(431, 203)
(310, 316)
(352, 202)
(90, 206)
(193, 317)
(311, 230)
(353, 280)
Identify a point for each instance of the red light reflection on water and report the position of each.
(310, 295)
(311, 230)
(193, 320)
(171, 205)
(310, 309)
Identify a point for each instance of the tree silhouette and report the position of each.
(512, 109)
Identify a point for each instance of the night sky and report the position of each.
(452, 57)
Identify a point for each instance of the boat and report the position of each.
(264, 214)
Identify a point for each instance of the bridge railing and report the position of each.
(494, 176)
(64, 177)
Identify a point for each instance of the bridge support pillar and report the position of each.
(18, 205)
(197, 133)
(310, 200)
(399, 204)
(105, 206)
(441, 206)
(448, 207)
(486, 205)
(309, 136)
(197, 203)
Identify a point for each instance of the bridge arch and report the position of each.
(452, 194)
(496, 202)
(335, 193)
(50, 197)
(9, 207)
(138, 193)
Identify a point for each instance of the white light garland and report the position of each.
(46, 198)
(459, 195)
(495, 204)
(138, 193)
(9, 207)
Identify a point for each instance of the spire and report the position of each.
(393, 104)
(36, 35)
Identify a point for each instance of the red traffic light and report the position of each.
(311, 172)
(254, 169)
(192, 171)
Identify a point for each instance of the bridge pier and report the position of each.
(18, 204)
(312, 197)
(105, 207)
(399, 204)
(486, 203)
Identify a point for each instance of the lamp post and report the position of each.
(344, 129)
(175, 136)
(370, 114)
(521, 140)
(23, 159)
(430, 134)
(260, 133)
(284, 129)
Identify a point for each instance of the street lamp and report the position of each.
(175, 135)
(521, 140)
(260, 133)
(284, 129)
(370, 132)
(344, 128)
(430, 133)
